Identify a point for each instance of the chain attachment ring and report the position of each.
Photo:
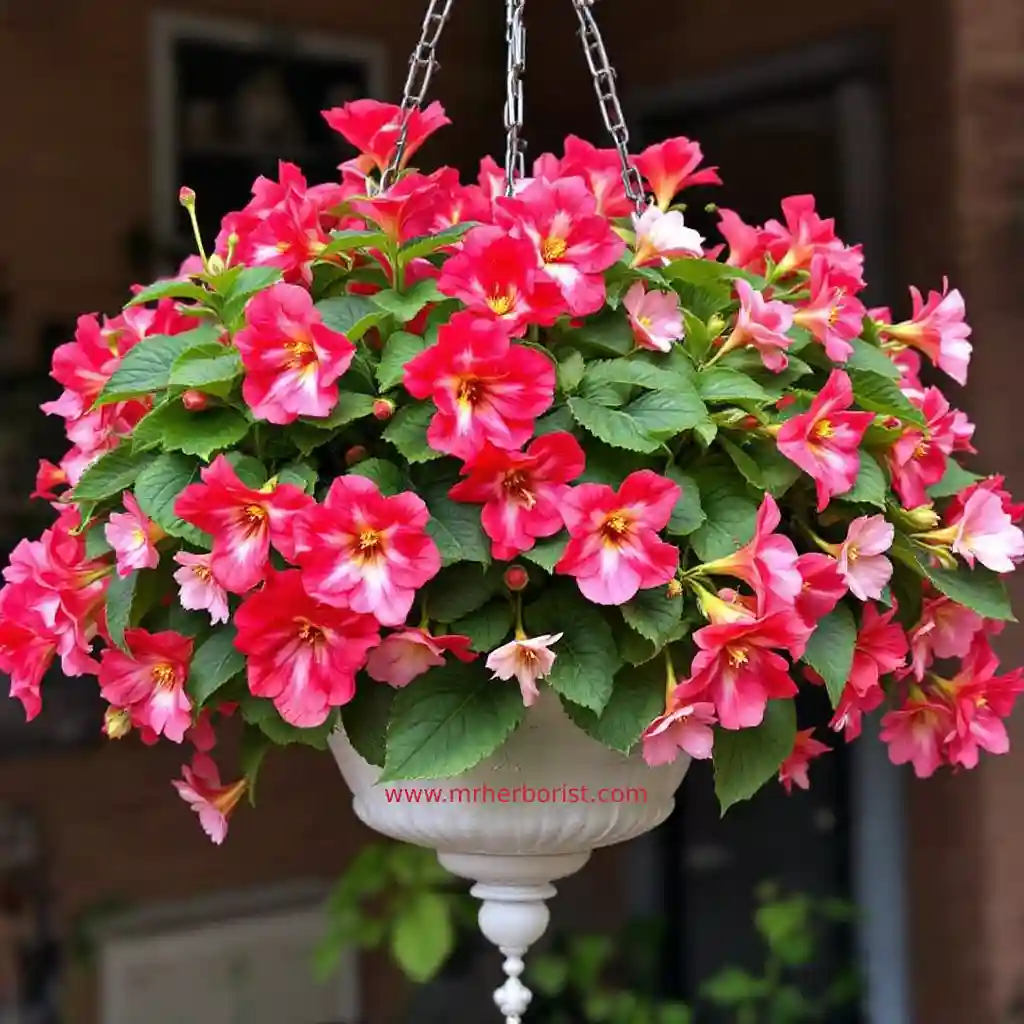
(515, 145)
(604, 76)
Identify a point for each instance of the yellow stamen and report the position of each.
(822, 431)
(616, 525)
(516, 483)
(737, 656)
(163, 676)
(310, 634)
(553, 249)
(369, 540)
(501, 304)
(469, 391)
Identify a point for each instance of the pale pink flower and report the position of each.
(663, 237)
(200, 787)
(133, 536)
(527, 660)
(916, 734)
(686, 727)
(762, 325)
(408, 653)
(655, 317)
(985, 532)
(862, 560)
(946, 630)
(938, 329)
(199, 591)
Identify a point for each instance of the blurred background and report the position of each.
(905, 119)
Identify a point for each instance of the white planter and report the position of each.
(485, 826)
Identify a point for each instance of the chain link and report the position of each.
(422, 65)
(607, 95)
(515, 146)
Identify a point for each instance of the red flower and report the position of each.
(671, 166)
(614, 549)
(823, 441)
(292, 360)
(521, 491)
(574, 245)
(408, 208)
(497, 276)
(302, 654)
(405, 655)
(289, 238)
(823, 587)
(485, 388)
(794, 768)
(242, 522)
(374, 127)
(363, 551)
(601, 169)
(149, 681)
(200, 787)
(48, 478)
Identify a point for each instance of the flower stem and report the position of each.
(517, 604)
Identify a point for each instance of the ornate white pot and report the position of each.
(528, 815)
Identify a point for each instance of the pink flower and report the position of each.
(655, 317)
(761, 325)
(300, 653)
(200, 787)
(938, 330)
(671, 166)
(822, 589)
(823, 441)
(48, 478)
(406, 654)
(525, 659)
(994, 484)
(917, 460)
(242, 522)
(199, 591)
(289, 237)
(484, 387)
(663, 237)
(574, 244)
(149, 681)
(614, 550)
(685, 727)
(985, 532)
(364, 551)
(916, 732)
(601, 169)
(496, 275)
(521, 492)
(862, 561)
(747, 244)
(292, 361)
(794, 770)
(409, 208)
(831, 314)
(946, 630)
(374, 127)
(133, 536)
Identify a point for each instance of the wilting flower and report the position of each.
(663, 237)
(862, 560)
(761, 325)
(199, 591)
(655, 317)
(364, 551)
(242, 522)
(292, 360)
(614, 549)
(794, 770)
(148, 679)
(407, 653)
(300, 653)
(671, 166)
(938, 330)
(685, 727)
(526, 659)
(485, 388)
(201, 788)
(824, 441)
(374, 127)
(521, 492)
(133, 536)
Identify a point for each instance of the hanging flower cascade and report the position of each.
(402, 459)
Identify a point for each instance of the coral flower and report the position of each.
(671, 166)
(663, 237)
(201, 788)
(686, 728)
(406, 654)
(300, 653)
(526, 659)
(199, 591)
(823, 441)
(794, 770)
(862, 562)
(374, 128)
(521, 492)
(822, 589)
(133, 536)
(655, 317)
(938, 330)
(292, 360)
(242, 522)
(364, 551)
(614, 549)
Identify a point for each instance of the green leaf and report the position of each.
(424, 245)
(455, 527)
(730, 512)
(398, 351)
(386, 475)
(702, 272)
(979, 589)
(298, 474)
(110, 474)
(627, 371)
(366, 718)
(149, 431)
(423, 936)
(96, 544)
(586, 656)
(868, 357)
(348, 241)
(612, 426)
(664, 414)
(746, 759)
(697, 337)
(830, 650)
(214, 665)
(570, 371)
(171, 288)
(954, 480)
(451, 720)
(406, 306)
(407, 431)
(559, 418)
(351, 315)
(248, 281)
(250, 471)
(734, 987)
(211, 368)
(881, 394)
(687, 515)
(120, 595)
(546, 553)
(253, 748)
(638, 697)
(147, 367)
(262, 713)
(202, 433)
(870, 487)
(720, 384)
(608, 335)
(159, 486)
(349, 408)
(655, 615)
(488, 627)
(459, 590)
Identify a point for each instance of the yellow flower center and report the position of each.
(470, 390)
(203, 573)
(553, 249)
(737, 656)
(516, 484)
(302, 354)
(822, 431)
(501, 304)
(852, 553)
(615, 526)
(164, 676)
(310, 634)
(370, 540)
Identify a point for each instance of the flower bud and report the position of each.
(516, 578)
(194, 401)
(186, 196)
(355, 454)
(215, 265)
(675, 589)
(383, 408)
(117, 723)
(715, 326)
(922, 518)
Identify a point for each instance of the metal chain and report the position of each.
(422, 65)
(608, 98)
(515, 146)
